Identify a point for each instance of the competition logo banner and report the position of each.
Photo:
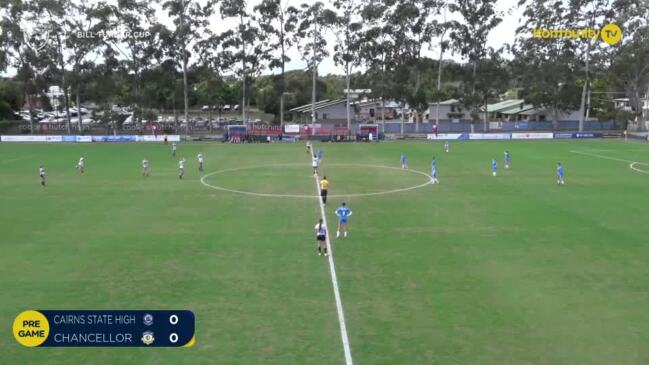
(48, 328)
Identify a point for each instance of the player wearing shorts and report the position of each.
(433, 173)
(181, 168)
(560, 179)
(494, 167)
(446, 146)
(507, 159)
(343, 213)
(314, 163)
(81, 165)
(41, 173)
(173, 149)
(319, 154)
(324, 187)
(200, 161)
(308, 147)
(404, 161)
(145, 167)
(321, 237)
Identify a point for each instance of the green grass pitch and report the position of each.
(510, 269)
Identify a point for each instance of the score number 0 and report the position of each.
(173, 337)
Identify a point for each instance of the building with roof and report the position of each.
(451, 109)
(517, 109)
(325, 111)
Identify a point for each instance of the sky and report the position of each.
(502, 34)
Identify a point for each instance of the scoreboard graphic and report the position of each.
(105, 328)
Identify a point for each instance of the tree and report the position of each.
(378, 49)
(242, 46)
(346, 26)
(190, 19)
(629, 69)
(547, 69)
(131, 34)
(311, 45)
(278, 22)
(23, 38)
(469, 38)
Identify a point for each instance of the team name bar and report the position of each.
(105, 328)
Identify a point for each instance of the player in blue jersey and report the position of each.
(507, 159)
(404, 161)
(319, 154)
(560, 180)
(446, 146)
(433, 172)
(494, 167)
(343, 214)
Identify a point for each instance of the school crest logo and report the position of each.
(148, 319)
(38, 37)
(147, 338)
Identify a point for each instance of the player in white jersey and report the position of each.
(200, 161)
(321, 237)
(181, 168)
(314, 163)
(446, 146)
(308, 146)
(41, 173)
(81, 165)
(145, 167)
(173, 149)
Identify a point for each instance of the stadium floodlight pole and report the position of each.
(281, 107)
(315, 69)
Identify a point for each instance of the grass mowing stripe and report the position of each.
(334, 281)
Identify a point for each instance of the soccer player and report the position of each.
(308, 146)
(319, 153)
(173, 149)
(404, 161)
(343, 214)
(446, 146)
(494, 167)
(560, 180)
(433, 172)
(200, 161)
(321, 237)
(41, 173)
(508, 158)
(314, 164)
(181, 168)
(81, 165)
(145, 168)
(324, 187)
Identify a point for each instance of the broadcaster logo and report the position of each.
(610, 33)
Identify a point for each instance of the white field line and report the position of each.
(632, 164)
(428, 182)
(334, 281)
(633, 167)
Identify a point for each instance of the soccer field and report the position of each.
(512, 269)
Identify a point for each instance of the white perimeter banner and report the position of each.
(158, 138)
(444, 136)
(490, 136)
(532, 135)
(291, 128)
(29, 138)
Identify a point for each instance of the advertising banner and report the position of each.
(447, 136)
(113, 138)
(23, 138)
(532, 135)
(292, 128)
(488, 136)
(83, 139)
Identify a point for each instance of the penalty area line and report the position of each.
(632, 164)
(334, 280)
